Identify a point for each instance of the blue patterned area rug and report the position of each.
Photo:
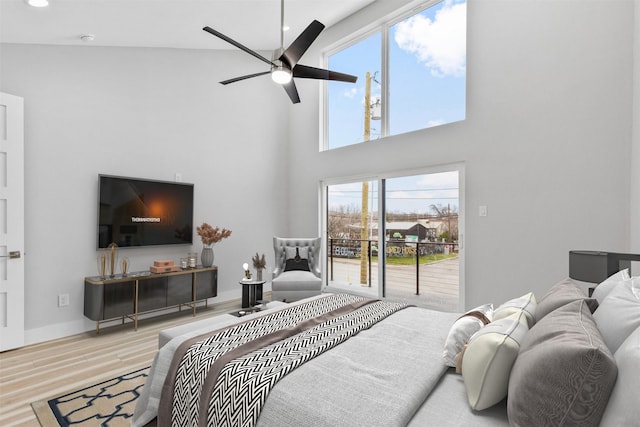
(109, 403)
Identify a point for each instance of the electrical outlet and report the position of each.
(63, 300)
(482, 211)
(178, 177)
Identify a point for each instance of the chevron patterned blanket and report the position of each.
(224, 377)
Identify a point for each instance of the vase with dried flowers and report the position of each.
(259, 263)
(210, 236)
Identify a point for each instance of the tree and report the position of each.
(340, 219)
(449, 216)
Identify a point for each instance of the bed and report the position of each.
(366, 362)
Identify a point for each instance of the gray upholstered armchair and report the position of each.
(297, 269)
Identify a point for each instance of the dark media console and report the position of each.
(140, 292)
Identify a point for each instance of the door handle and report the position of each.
(12, 255)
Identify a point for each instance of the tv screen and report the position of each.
(140, 212)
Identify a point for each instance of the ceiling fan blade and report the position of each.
(236, 44)
(306, 72)
(248, 76)
(294, 52)
(292, 91)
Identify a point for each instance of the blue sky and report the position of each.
(411, 194)
(427, 72)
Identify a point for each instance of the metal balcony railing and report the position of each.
(352, 249)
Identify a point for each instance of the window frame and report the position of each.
(381, 178)
(383, 27)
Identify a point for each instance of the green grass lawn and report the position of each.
(411, 260)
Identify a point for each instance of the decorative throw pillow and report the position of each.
(619, 313)
(564, 373)
(560, 294)
(623, 408)
(291, 252)
(297, 259)
(526, 302)
(489, 357)
(462, 329)
(602, 290)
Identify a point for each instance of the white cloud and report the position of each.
(351, 93)
(441, 180)
(439, 44)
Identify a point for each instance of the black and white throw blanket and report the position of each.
(224, 378)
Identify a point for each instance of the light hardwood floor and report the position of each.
(44, 370)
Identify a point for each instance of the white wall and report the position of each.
(635, 152)
(546, 142)
(546, 146)
(144, 113)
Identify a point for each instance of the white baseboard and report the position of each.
(58, 330)
(65, 329)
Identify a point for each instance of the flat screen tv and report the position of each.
(140, 212)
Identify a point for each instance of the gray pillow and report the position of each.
(619, 313)
(564, 372)
(560, 294)
(623, 408)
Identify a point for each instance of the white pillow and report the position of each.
(602, 290)
(462, 329)
(619, 313)
(489, 357)
(623, 408)
(526, 302)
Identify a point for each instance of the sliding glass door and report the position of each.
(421, 232)
(351, 218)
(397, 236)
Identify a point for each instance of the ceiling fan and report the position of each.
(284, 65)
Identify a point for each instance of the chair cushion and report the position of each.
(296, 259)
(296, 280)
(291, 252)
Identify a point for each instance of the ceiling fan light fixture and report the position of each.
(37, 3)
(284, 63)
(281, 75)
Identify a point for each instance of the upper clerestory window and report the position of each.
(411, 75)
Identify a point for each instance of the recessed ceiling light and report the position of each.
(37, 3)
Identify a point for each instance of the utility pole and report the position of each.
(364, 219)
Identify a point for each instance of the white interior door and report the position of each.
(11, 222)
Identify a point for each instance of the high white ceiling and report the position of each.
(166, 23)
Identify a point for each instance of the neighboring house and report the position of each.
(420, 231)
